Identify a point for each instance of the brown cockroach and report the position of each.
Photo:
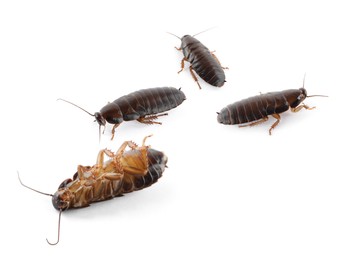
(143, 105)
(203, 61)
(255, 110)
(126, 171)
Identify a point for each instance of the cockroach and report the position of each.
(255, 110)
(127, 170)
(203, 61)
(143, 105)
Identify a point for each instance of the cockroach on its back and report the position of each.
(126, 171)
(255, 110)
(143, 105)
(203, 61)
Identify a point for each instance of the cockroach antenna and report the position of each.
(317, 96)
(204, 31)
(47, 194)
(98, 117)
(174, 35)
(304, 77)
(71, 103)
(43, 193)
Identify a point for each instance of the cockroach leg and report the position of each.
(182, 65)
(123, 147)
(179, 49)
(298, 108)
(109, 153)
(100, 159)
(144, 140)
(150, 119)
(194, 77)
(132, 145)
(262, 120)
(119, 154)
(276, 116)
(134, 161)
(113, 130)
(113, 176)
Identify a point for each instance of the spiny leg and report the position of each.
(276, 116)
(216, 58)
(123, 147)
(144, 140)
(256, 122)
(299, 107)
(109, 153)
(118, 155)
(182, 65)
(150, 119)
(96, 170)
(100, 158)
(194, 77)
(107, 170)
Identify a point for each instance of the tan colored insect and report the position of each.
(126, 171)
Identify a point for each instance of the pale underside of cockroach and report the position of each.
(125, 171)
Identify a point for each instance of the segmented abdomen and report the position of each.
(157, 162)
(253, 108)
(204, 64)
(141, 103)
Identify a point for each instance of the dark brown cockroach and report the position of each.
(143, 105)
(255, 110)
(203, 61)
(126, 171)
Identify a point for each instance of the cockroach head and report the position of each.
(61, 200)
(188, 40)
(302, 96)
(303, 92)
(100, 119)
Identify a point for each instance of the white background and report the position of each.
(229, 192)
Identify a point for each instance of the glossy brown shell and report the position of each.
(202, 61)
(141, 103)
(260, 106)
